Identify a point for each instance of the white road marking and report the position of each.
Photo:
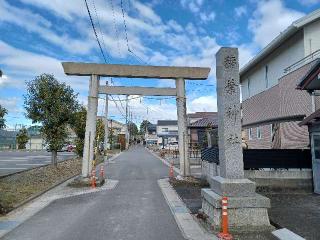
(13, 160)
(29, 164)
(30, 157)
(13, 168)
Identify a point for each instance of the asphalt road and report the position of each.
(11, 162)
(134, 210)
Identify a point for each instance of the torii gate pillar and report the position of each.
(91, 123)
(182, 128)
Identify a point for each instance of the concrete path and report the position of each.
(135, 209)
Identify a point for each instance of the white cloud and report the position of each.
(35, 23)
(146, 12)
(203, 104)
(246, 53)
(68, 10)
(309, 2)
(10, 104)
(195, 6)
(22, 65)
(175, 26)
(186, 48)
(270, 18)
(205, 18)
(241, 11)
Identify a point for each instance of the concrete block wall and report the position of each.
(269, 180)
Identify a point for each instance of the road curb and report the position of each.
(189, 227)
(177, 170)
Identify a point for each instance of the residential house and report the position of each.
(116, 126)
(151, 134)
(36, 141)
(8, 139)
(272, 107)
(167, 131)
(202, 128)
(311, 83)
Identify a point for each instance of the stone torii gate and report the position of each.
(179, 74)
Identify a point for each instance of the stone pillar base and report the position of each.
(247, 210)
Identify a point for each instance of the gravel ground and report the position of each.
(21, 186)
(190, 193)
(298, 212)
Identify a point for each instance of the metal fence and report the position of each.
(266, 158)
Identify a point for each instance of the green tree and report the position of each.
(78, 125)
(22, 138)
(143, 126)
(100, 131)
(52, 104)
(133, 129)
(3, 112)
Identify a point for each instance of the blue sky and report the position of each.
(37, 35)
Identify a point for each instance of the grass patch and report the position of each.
(17, 188)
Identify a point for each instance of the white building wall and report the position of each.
(312, 37)
(254, 81)
(160, 129)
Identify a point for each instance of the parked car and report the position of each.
(172, 146)
(71, 147)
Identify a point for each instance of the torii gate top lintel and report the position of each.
(135, 71)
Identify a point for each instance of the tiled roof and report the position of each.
(167, 122)
(311, 118)
(310, 79)
(201, 114)
(279, 101)
(205, 122)
(151, 127)
(8, 134)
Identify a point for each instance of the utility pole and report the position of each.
(106, 127)
(127, 134)
(131, 125)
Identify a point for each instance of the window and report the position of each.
(259, 134)
(250, 133)
(266, 76)
(165, 129)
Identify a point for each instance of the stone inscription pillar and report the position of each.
(229, 119)
(247, 210)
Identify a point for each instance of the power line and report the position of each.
(115, 27)
(94, 30)
(99, 26)
(201, 84)
(112, 82)
(125, 25)
(126, 35)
